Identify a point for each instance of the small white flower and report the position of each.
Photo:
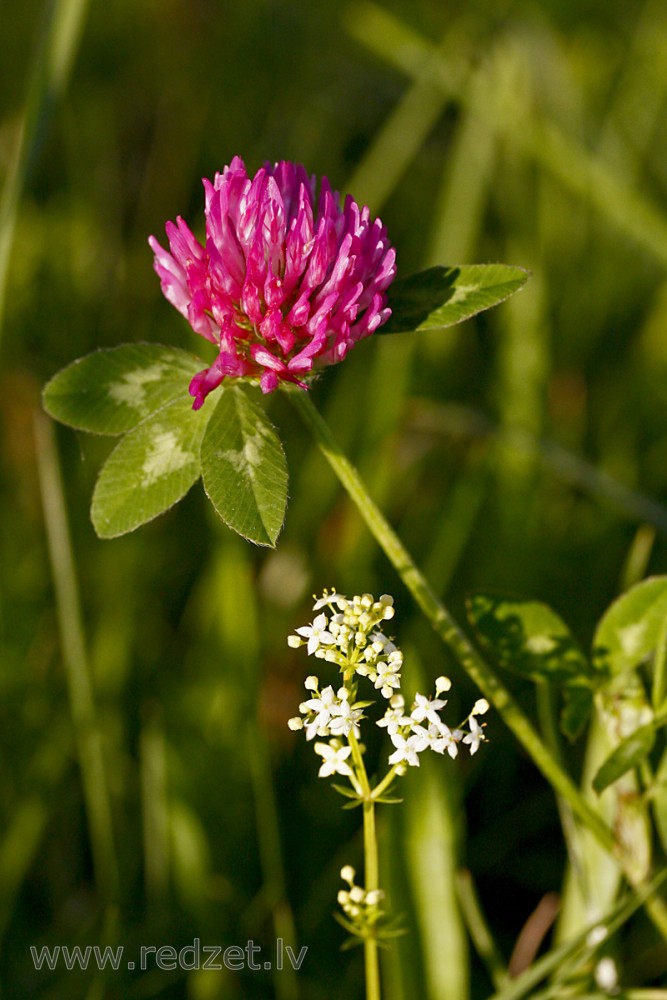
(344, 719)
(387, 678)
(316, 634)
(406, 750)
(321, 708)
(296, 723)
(480, 707)
(606, 975)
(475, 736)
(327, 599)
(311, 683)
(443, 739)
(442, 684)
(394, 719)
(334, 759)
(424, 708)
(386, 645)
(347, 874)
(420, 739)
(596, 935)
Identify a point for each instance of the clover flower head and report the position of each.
(286, 281)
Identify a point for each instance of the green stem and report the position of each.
(478, 929)
(385, 783)
(545, 713)
(48, 75)
(445, 625)
(371, 868)
(77, 668)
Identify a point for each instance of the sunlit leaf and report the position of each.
(442, 296)
(528, 637)
(244, 468)
(112, 391)
(631, 628)
(151, 468)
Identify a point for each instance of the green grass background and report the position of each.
(524, 451)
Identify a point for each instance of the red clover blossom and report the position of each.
(285, 281)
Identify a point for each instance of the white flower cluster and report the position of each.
(349, 635)
(350, 638)
(423, 729)
(360, 906)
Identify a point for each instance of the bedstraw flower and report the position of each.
(286, 280)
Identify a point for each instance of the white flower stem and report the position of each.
(385, 783)
(371, 868)
(455, 638)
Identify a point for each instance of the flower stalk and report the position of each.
(371, 869)
(444, 623)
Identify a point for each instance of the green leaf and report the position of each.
(151, 468)
(244, 468)
(577, 706)
(349, 793)
(442, 296)
(528, 638)
(628, 754)
(631, 628)
(112, 391)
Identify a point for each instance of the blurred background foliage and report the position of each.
(524, 451)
